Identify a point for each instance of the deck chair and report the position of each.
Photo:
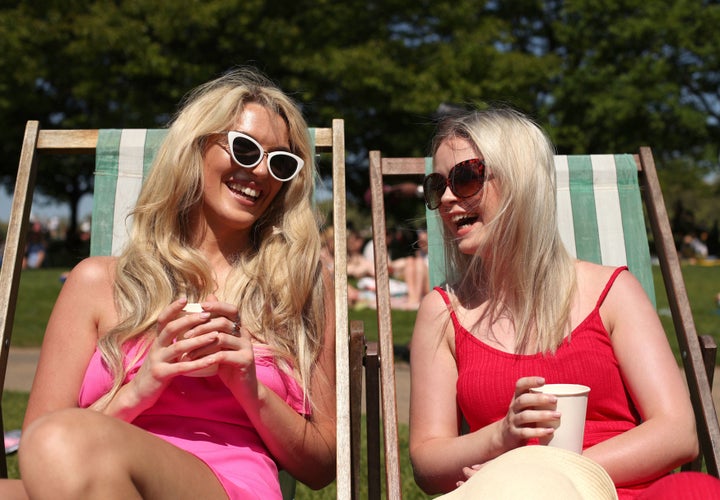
(600, 213)
(122, 159)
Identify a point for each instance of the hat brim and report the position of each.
(538, 472)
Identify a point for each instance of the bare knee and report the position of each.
(59, 434)
(61, 454)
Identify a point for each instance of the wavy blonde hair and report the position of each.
(277, 284)
(528, 275)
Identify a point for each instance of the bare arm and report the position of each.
(305, 447)
(666, 438)
(83, 309)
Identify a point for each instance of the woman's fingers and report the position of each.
(187, 342)
(530, 413)
(226, 342)
(524, 384)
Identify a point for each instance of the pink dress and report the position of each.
(487, 376)
(201, 416)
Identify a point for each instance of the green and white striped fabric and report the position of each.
(600, 215)
(122, 160)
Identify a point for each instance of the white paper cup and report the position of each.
(192, 308)
(572, 405)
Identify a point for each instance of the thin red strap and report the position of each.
(609, 285)
(444, 295)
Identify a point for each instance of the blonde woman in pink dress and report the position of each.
(133, 398)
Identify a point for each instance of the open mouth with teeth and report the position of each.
(244, 191)
(464, 220)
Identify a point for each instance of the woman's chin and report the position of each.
(467, 246)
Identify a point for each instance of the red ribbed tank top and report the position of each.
(487, 376)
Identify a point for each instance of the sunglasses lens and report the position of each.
(467, 178)
(433, 188)
(246, 152)
(283, 165)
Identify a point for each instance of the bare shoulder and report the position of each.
(91, 281)
(591, 272)
(93, 271)
(626, 299)
(433, 320)
(592, 278)
(432, 305)
(87, 298)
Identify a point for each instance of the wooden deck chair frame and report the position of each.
(698, 352)
(332, 140)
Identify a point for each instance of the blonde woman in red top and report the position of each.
(518, 312)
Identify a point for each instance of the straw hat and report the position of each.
(538, 473)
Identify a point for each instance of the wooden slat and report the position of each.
(403, 166)
(324, 137)
(372, 419)
(385, 337)
(709, 351)
(344, 445)
(700, 390)
(68, 141)
(85, 141)
(14, 251)
(357, 352)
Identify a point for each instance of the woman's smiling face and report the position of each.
(466, 218)
(234, 197)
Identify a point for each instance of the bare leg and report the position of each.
(411, 278)
(423, 276)
(78, 453)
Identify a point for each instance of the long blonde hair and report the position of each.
(528, 275)
(276, 284)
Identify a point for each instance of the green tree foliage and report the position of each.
(601, 76)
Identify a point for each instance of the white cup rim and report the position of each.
(562, 389)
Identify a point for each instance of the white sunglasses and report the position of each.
(247, 152)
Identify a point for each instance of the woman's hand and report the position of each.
(469, 472)
(167, 357)
(526, 410)
(232, 351)
(169, 354)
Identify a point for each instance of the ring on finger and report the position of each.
(236, 328)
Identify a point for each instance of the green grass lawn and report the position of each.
(703, 284)
(39, 289)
